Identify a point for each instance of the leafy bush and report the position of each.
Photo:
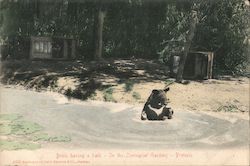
(108, 94)
(136, 95)
(228, 108)
(129, 84)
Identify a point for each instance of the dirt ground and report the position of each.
(129, 81)
(210, 95)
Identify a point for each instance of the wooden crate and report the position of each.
(52, 48)
(198, 65)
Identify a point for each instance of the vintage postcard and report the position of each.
(124, 82)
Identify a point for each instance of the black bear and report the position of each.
(156, 106)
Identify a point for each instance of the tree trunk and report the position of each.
(98, 29)
(37, 9)
(190, 36)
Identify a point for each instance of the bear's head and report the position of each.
(158, 98)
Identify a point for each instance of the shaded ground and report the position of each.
(79, 79)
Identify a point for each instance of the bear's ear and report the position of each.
(155, 91)
(167, 89)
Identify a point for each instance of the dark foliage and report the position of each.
(132, 28)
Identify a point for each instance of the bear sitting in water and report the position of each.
(156, 106)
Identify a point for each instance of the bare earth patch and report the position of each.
(209, 95)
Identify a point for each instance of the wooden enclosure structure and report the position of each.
(198, 65)
(52, 48)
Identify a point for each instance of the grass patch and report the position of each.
(169, 82)
(228, 108)
(9, 117)
(92, 96)
(26, 133)
(129, 84)
(24, 127)
(5, 129)
(108, 94)
(48, 138)
(11, 124)
(136, 95)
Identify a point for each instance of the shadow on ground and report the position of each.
(91, 76)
